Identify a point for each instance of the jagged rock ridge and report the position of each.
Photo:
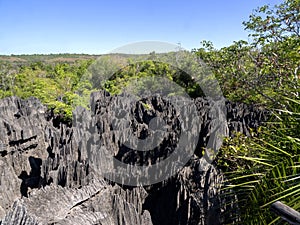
(49, 175)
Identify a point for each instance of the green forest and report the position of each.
(261, 168)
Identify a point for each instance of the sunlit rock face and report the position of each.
(54, 173)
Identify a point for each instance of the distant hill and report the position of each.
(49, 58)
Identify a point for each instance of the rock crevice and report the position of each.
(50, 172)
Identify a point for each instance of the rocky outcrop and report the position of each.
(96, 203)
(52, 173)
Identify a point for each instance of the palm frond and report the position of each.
(266, 168)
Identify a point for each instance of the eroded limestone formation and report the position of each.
(50, 172)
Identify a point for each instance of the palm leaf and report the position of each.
(266, 168)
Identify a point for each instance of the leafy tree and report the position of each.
(275, 24)
(7, 79)
(264, 168)
(60, 86)
(257, 72)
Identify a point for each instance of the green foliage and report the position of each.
(115, 74)
(60, 86)
(63, 86)
(138, 77)
(275, 24)
(7, 76)
(265, 167)
(261, 71)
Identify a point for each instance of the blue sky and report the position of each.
(97, 27)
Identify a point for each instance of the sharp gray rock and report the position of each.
(52, 172)
(96, 203)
